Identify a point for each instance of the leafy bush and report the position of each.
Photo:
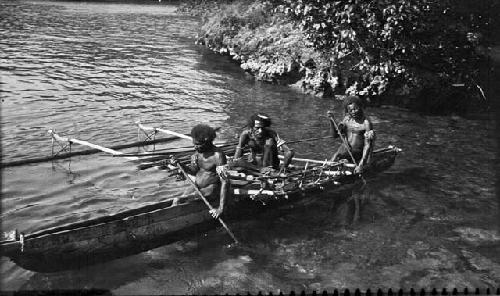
(265, 42)
(391, 43)
(408, 52)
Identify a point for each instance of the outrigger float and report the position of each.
(133, 231)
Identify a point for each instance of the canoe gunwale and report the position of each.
(175, 202)
(12, 248)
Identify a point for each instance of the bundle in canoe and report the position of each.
(133, 231)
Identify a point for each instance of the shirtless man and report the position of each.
(357, 130)
(208, 164)
(263, 143)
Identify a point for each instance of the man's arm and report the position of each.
(287, 152)
(223, 192)
(241, 144)
(192, 168)
(368, 145)
(221, 167)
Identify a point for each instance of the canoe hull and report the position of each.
(134, 231)
(101, 243)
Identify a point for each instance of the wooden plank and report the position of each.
(83, 152)
(239, 191)
(62, 243)
(108, 228)
(104, 219)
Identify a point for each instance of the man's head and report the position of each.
(353, 105)
(203, 136)
(259, 122)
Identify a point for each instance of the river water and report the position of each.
(90, 70)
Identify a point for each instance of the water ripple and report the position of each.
(89, 65)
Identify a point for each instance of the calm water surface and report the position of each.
(90, 70)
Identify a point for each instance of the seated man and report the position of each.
(263, 144)
(208, 165)
(357, 131)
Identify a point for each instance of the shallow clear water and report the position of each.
(90, 70)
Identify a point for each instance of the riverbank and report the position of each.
(273, 44)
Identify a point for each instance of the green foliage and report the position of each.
(394, 41)
(221, 26)
(267, 44)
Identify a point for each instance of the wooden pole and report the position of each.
(88, 144)
(235, 143)
(152, 164)
(307, 160)
(206, 202)
(83, 152)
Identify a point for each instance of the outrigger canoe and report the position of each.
(133, 231)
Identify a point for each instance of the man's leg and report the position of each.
(270, 157)
(243, 164)
(341, 154)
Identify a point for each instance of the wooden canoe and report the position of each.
(133, 231)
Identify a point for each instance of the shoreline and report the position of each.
(272, 48)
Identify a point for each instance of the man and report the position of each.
(208, 164)
(263, 144)
(357, 130)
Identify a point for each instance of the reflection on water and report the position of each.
(90, 70)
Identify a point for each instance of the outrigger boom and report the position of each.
(88, 144)
(130, 156)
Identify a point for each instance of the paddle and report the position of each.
(206, 202)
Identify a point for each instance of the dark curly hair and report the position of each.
(203, 133)
(263, 117)
(353, 100)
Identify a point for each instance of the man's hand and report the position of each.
(216, 213)
(342, 128)
(329, 114)
(172, 164)
(370, 135)
(283, 169)
(173, 161)
(222, 171)
(358, 169)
